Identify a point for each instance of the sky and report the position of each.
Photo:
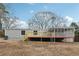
(25, 11)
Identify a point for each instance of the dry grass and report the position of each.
(18, 48)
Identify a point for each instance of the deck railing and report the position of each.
(67, 34)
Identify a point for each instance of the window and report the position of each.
(22, 32)
(65, 29)
(35, 32)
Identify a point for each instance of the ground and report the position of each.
(20, 48)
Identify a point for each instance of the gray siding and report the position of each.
(14, 34)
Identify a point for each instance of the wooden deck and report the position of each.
(49, 37)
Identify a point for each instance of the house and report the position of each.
(54, 34)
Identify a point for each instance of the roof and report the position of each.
(43, 30)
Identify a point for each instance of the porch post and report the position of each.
(54, 34)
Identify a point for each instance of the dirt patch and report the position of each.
(19, 48)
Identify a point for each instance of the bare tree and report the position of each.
(3, 12)
(44, 20)
(10, 23)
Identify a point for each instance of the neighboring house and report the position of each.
(54, 34)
